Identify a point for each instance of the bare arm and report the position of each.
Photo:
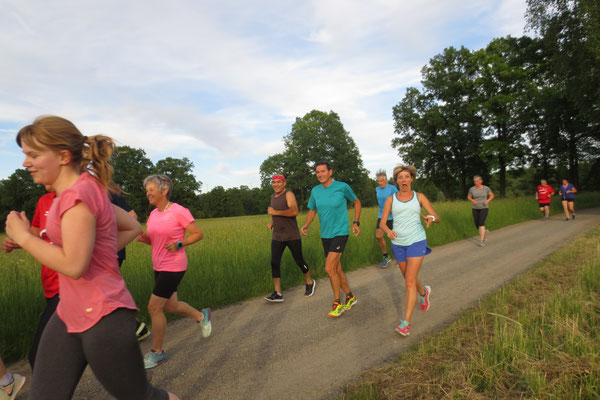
(194, 234)
(309, 219)
(470, 198)
(78, 232)
(127, 227)
(357, 210)
(430, 211)
(385, 214)
(133, 214)
(490, 198)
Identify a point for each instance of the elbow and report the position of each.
(77, 272)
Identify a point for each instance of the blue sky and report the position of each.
(222, 82)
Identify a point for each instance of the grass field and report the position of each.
(232, 263)
(536, 338)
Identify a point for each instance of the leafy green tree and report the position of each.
(185, 186)
(19, 192)
(318, 136)
(131, 167)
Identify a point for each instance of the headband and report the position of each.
(280, 177)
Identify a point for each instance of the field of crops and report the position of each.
(232, 263)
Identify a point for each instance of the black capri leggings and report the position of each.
(110, 347)
(479, 216)
(51, 304)
(277, 249)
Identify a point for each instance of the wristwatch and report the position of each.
(179, 244)
(357, 223)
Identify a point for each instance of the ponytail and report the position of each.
(95, 158)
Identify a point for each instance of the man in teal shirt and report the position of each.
(330, 199)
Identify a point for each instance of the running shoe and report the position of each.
(310, 289)
(482, 244)
(385, 262)
(566, 219)
(142, 332)
(275, 298)
(573, 216)
(337, 310)
(350, 301)
(10, 391)
(424, 300)
(152, 359)
(403, 329)
(205, 324)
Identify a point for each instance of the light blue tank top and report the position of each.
(407, 221)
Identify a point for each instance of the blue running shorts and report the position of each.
(417, 249)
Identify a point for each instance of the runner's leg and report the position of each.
(420, 287)
(331, 267)
(277, 249)
(51, 304)
(381, 240)
(565, 208)
(156, 307)
(295, 247)
(413, 265)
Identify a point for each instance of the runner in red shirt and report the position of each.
(49, 277)
(543, 195)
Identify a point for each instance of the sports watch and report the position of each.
(179, 244)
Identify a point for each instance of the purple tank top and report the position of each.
(284, 228)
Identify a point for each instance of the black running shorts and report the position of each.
(334, 245)
(165, 283)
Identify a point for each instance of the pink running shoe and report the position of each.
(424, 300)
(403, 329)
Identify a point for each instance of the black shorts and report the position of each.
(165, 283)
(479, 216)
(389, 223)
(334, 245)
(544, 205)
(569, 200)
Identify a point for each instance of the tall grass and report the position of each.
(537, 338)
(232, 263)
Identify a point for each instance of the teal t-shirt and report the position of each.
(331, 203)
(382, 195)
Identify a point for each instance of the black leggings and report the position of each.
(51, 304)
(110, 347)
(277, 249)
(479, 216)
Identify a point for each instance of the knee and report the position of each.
(171, 307)
(330, 269)
(411, 283)
(154, 308)
(379, 234)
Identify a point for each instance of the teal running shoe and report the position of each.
(152, 359)
(206, 324)
(403, 329)
(385, 262)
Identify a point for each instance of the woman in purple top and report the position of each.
(567, 193)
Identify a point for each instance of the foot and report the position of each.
(566, 219)
(424, 300)
(142, 332)
(385, 262)
(482, 244)
(350, 301)
(152, 359)
(337, 310)
(275, 298)
(403, 329)
(10, 391)
(573, 216)
(205, 324)
(310, 289)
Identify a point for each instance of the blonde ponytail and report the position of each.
(95, 158)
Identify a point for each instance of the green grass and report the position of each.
(232, 263)
(536, 338)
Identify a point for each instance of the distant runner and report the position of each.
(383, 192)
(284, 210)
(480, 196)
(409, 242)
(567, 192)
(543, 195)
(330, 200)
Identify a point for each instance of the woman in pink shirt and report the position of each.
(166, 228)
(85, 231)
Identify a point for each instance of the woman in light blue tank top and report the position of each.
(409, 242)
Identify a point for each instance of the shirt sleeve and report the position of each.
(394, 190)
(35, 221)
(184, 217)
(348, 193)
(312, 204)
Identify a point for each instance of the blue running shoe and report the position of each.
(152, 359)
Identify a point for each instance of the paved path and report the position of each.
(294, 351)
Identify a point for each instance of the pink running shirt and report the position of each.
(101, 289)
(164, 227)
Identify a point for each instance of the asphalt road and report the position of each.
(292, 350)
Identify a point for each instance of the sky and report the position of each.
(222, 82)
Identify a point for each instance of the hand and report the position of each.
(392, 235)
(9, 245)
(270, 226)
(304, 230)
(17, 226)
(475, 202)
(271, 211)
(171, 246)
(485, 203)
(355, 230)
(429, 220)
(143, 238)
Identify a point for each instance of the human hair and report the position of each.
(401, 168)
(477, 176)
(162, 182)
(380, 173)
(543, 180)
(91, 154)
(325, 163)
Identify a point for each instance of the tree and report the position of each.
(318, 136)
(19, 192)
(131, 167)
(185, 186)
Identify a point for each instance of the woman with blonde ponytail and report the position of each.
(86, 231)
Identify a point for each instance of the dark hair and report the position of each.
(325, 163)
